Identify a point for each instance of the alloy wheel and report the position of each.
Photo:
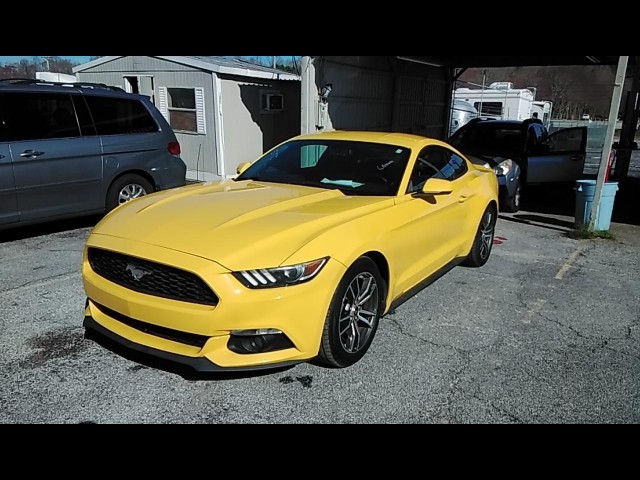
(358, 312)
(129, 192)
(487, 232)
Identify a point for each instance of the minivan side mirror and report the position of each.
(437, 186)
(242, 167)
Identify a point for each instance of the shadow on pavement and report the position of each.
(538, 221)
(541, 202)
(20, 233)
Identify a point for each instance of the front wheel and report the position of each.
(483, 243)
(511, 204)
(353, 316)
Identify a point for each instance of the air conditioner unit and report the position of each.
(272, 102)
(501, 86)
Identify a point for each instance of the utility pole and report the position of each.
(274, 62)
(608, 139)
(629, 125)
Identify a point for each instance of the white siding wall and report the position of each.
(242, 136)
(249, 132)
(198, 150)
(246, 132)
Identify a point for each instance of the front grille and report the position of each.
(151, 278)
(162, 332)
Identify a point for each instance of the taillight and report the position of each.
(174, 148)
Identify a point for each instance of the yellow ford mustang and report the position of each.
(296, 259)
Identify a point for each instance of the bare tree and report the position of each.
(559, 86)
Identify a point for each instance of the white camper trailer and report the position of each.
(500, 101)
(544, 110)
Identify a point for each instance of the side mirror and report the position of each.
(437, 186)
(242, 167)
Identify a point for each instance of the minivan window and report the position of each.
(33, 116)
(87, 128)
(119, 116)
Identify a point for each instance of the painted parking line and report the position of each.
(569, 263)
(499, 240)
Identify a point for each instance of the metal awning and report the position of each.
(496, 61)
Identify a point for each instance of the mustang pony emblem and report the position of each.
(137, 272)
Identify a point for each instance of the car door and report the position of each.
(58, 170)
(8, 199)
(435, 233)
(559, 158)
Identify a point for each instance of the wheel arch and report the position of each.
(383, 267)
(142, 173)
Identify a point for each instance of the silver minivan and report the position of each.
(79, 149)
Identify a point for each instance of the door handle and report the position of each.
(463, 198)
(1, 156)
(31, 154)
(576, 158)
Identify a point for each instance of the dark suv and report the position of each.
(79, 149)
(523, 152)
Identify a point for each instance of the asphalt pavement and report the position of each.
(547, 332)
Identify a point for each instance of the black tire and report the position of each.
(483, 243)
(343, 350)
(137, 185)
(512, 204)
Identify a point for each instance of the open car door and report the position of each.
(560, 158)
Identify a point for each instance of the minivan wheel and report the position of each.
(126, 188)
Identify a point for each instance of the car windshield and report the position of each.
(355, 168)
(489, 138)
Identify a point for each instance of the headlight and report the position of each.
(504, 168)
(280, 276)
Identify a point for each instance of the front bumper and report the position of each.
(199, 364)
(298, 311)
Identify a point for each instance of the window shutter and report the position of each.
(200, 116)
(162, 102)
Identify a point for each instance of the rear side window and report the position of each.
(120, 116)
(35, 116)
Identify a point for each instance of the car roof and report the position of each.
(35, 86)
(387, 138)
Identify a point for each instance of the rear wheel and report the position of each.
(126, 188)
(483, 243)
(353, 316)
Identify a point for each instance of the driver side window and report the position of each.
(430, 164)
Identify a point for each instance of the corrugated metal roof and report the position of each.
(236, 63)
(228, 66)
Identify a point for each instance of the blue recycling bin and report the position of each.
(585, 193)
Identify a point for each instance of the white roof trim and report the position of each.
(93, 63)
(210, 67)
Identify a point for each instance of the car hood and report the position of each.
(239, 225)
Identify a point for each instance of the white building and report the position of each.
(223, 111)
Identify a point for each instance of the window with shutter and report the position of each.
(200, 111)
(162, 102)
(185, 109)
